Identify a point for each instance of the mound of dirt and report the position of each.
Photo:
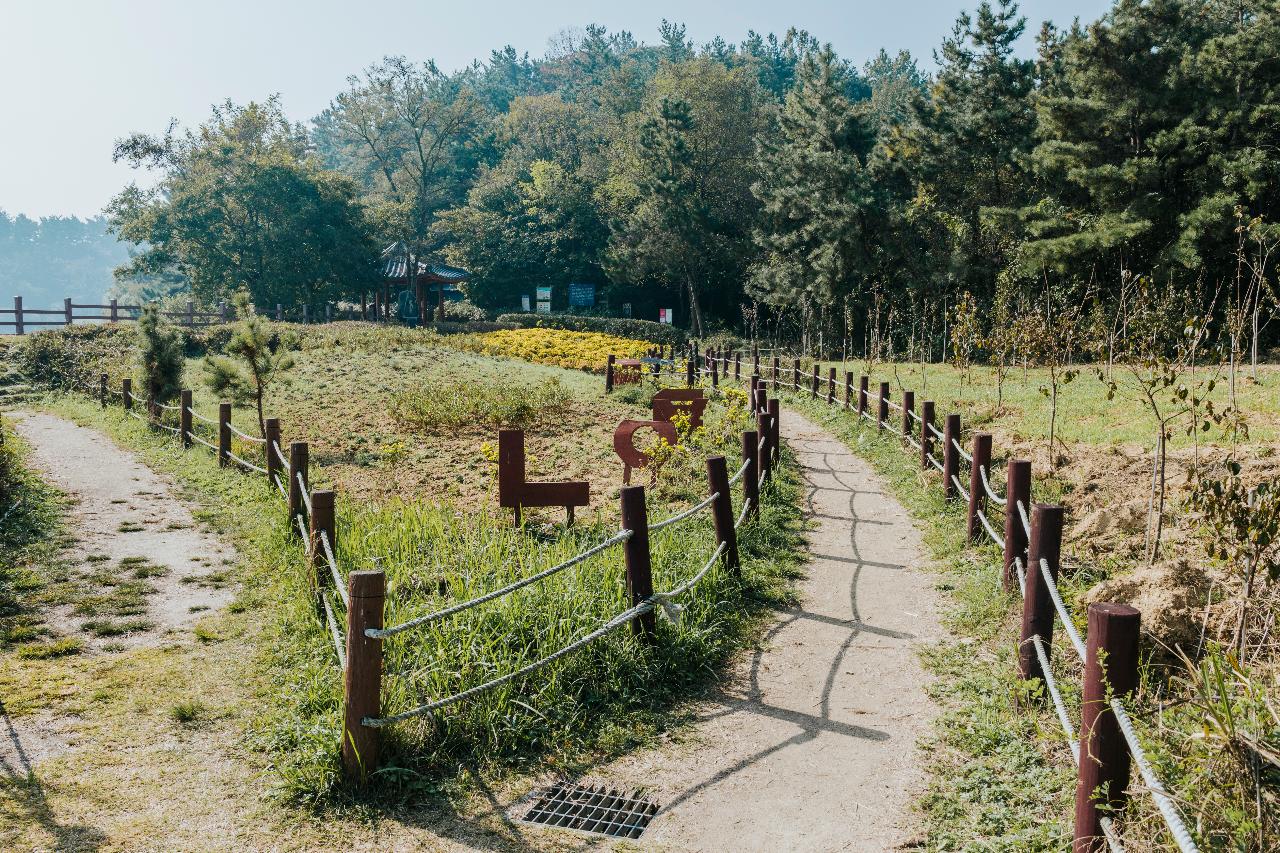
(1171, 595)
(1125, 518)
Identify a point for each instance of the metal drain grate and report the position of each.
(587, 808)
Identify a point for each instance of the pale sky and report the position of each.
(75, 75)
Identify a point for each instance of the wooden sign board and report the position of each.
(669, 401)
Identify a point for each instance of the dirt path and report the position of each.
(811, 746)
(158, 572)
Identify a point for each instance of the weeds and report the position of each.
(478, 404)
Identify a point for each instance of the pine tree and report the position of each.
(160, 356)
(252, 364)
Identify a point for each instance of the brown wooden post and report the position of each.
(908, 406)
(608, 374)
(299, 478)
(882, 411)
(737, 367)
(722, 510)
(279, 312)
(831, 385)
(776, 374)
(926, 434)
(848, 389)
(306, 313)
(115, 311)
(273, 441)
(813, 384)
(764, 456)
(751, 477)
(17, 315)
(950, 457)
(126, 393)
(1037, 606)
(977, 492)
(755, 360)
(322, 521)
(689, 368)
(761, 402)
(1017, 489)
(224, 434)
(66, 307)
(102, 390)
(862, 395)
(635, 551)
(184, 416)
(362, 681)
(1111, 670)
(715, 372)
(775, 423)
(795, 369)
(191, 313)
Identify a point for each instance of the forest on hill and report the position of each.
(48, 259)
(769, 186)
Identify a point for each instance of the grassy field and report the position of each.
(252, 703)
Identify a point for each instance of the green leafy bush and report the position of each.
(504, 403)
(644, 330)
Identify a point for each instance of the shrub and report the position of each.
(573, 350)
(463, 312)
(505, 403)
(160, 356)
(623, 327)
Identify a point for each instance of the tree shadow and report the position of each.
(30, 797)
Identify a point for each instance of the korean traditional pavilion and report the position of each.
(395, 276)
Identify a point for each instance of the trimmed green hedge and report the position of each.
(641, 330)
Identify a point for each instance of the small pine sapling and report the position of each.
(160, 358)
(251, 364)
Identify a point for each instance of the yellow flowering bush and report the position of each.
(560, 348)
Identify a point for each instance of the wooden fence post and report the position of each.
(795, 370)
(224, 434)
(1037, 606)
(362, 681)
(17, 315)
(184, 416)
(715, 373)
(1017, 489)
(737, 367)
(273, 441)
(66, 308)
(977, 491)
(882, 411)
(848, 389)
(321, 522)
(126, 393)
(831, 385)
(1112, 646)
(926, 434)
(950, 456)
(862, 395)
(635, 517)
(775, 427)
(762, 396)
(751, 476)
(306, 313)
(191, 313)
(774, 364)
(722, 510)
(755, 359)
(102, 390)
(299, 478)
(908, 406)
(764, 457)
(689, 368)
(608, 374)
(115, 311)
(279, 312)
(813, 387)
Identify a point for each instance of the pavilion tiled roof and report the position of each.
(395, 264)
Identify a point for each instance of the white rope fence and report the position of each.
(681, 516)
(986, 485)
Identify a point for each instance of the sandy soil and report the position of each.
(811, 744)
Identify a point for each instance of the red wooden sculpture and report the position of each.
(669, 401)
(514, 492)
(624, 443)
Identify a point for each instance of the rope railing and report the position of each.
(986, 487)
(333, 568)
(245, 463)
(986, 523)
(660, 599)
(933, 461)
(1164, 802)
(742, 516)
(967, 457)
(955, 481)
(383, 633)
(1026, 522)
(1067, 624)
(1051, 685)
(302, 487)
(681, 516)
(733, 481)
(937, 433)
(332, 622)
(200, 417)
(244, 435)
(284, 493)
(302, 531)
(911, 441)
(891, 404)
(198, 440)
(1022, 575)
(160, 405)
(284, 460)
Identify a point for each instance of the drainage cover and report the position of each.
(587, 808)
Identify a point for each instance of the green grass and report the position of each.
(52, 649)
(507, 402)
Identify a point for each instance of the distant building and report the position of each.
(444, 278)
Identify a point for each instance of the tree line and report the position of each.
(768, 187)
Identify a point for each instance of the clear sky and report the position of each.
(79, 74)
